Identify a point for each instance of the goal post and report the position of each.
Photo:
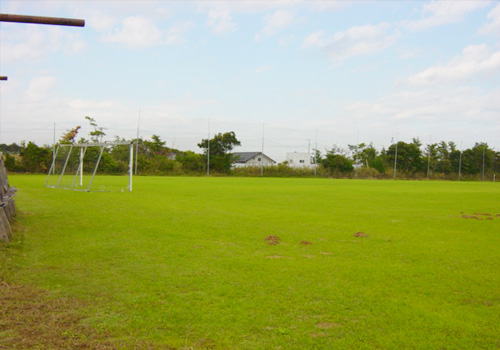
(98, 166)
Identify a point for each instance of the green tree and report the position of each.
(70, 135)
(219, 149)
(10, 162)
(156, 146)
(191, 162)
(409, 156)
(478, 158)
(13, 148)
(336, 163)
(35, 159)
(316, 157)
(97, 134)
(431, 157)
(364, 155)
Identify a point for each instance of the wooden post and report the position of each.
(7, 207)
(4, 17)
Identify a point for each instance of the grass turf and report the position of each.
(183, 262)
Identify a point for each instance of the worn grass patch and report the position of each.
(191, 263)
(32, 319)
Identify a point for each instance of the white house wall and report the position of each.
(255, 161)
(299, 160)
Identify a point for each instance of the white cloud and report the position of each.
(475, 61)
(286, 40)
(220, 21)
(259, 6)
(262, 69)
(41, 88)
(316, 39)
(141, 32)
(493, 27)
(407, 52)
(356, 41)
(33, 44)
(176, 34)
(275, 22)
(436, 13)
(248, 6)
(19, 46)
(70, 43)
(450, 113)
(135, 32)
(100, 21)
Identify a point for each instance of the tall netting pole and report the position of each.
(130, 166)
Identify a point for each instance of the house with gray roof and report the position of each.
(243, 159)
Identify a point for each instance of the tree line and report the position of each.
(441, 160)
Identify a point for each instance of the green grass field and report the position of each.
(184, 262)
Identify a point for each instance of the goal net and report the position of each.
(92, 167)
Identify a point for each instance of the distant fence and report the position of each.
(7, 206)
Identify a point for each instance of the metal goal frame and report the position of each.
(78, 176)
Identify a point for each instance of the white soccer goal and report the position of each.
(91, 166)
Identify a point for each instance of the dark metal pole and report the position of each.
(42, 20)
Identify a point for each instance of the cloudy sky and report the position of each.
(291, 73)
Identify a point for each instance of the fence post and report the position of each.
(7, 206)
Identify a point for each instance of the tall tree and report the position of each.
(363, 155)
(35, 159)
(336, 163)
(409, 156)
(477, 159)
(156, 146)
(219, 150)
(97, 134)
(70, 135)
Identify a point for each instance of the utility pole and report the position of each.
(357, 156)
(315, 153)
(429, 157)
(262, 153)
(208, 149)
(460, 166)
(137, 143)
(396, 157)
(484, 150)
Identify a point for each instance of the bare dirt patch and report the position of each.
(480, 302)
(305, 242)
(360, 234)
(471, 217)
(479, 216)
(272, 240)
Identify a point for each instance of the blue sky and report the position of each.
(296, 73)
